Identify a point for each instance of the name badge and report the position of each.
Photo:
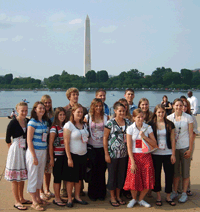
(22, 143)
(138, 143)
(44, 137)
(125, 140)
(161, 145)
(84, 138)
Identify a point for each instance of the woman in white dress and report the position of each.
(15, 166)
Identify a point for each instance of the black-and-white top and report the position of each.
(117, 147)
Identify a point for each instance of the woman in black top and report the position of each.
(167, 105)
(15, 166)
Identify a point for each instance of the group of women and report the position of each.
(90, 144)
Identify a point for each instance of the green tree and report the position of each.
(102, 76)
(186, 76)
(8, 78)
(91, 76)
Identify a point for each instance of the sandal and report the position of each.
(43, 196)
(20, 207)
(64, 200)
(43, 202)
(59, 203)
(114, 204)
(189, 193)
(171, 202)
(27, 202)
(159, 202)
(121, 202)
(37, 207)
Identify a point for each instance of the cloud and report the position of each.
(13, 19)
(108, 29)
(57, 17)
(5, 25)
(31, 39)
(17, 38)
(24, 49)
(109, 41)
(76, 21)
(3, 39)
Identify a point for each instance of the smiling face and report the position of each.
(61, 117)
(98, 108)
(40, 110)
(178, 107)
(22, 111)
(78, 113)
(139, 119)
(160, 113)
(73, 97)
(101, 95)
(144, 105)
(48, 104)
(120, 112)
(184, 109)
(129, 96)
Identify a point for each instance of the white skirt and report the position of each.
(16, 165)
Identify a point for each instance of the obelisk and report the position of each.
(87, 51)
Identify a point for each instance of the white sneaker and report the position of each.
(145, 204)
(131, 203)
(183, 198)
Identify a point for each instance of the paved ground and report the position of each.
(193, 204)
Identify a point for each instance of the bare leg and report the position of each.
(158, 196)
(134, 194)
(112, 196)
(77, 190)
(70, 186)
(21, 191)
(47, 180)
(185, 184)
(176, 182)
(15, 192)
(56, 187)
(143, 194)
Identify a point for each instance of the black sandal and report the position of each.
(171, 202)
(159, 202)
(114, 204)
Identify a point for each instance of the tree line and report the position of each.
(160, 78)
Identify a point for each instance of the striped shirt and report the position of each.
(40, 128)
(58, 150)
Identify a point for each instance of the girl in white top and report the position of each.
(75, 136)
(96, 120)
(140, 172)
(184, 145)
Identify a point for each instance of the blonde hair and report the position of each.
(92, 108)
(148, 114)
(71, 90)
(43, 99)
(21, 104)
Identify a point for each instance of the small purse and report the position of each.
(56, 142)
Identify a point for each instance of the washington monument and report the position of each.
(87, 51)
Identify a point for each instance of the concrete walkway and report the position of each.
(193, 204)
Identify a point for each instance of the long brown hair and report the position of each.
(74, 108)
(33, 113)
(92, 108)
(128, 115)
(188, 106)
(57, 111)
(148, 114)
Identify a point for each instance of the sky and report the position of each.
(41, 38)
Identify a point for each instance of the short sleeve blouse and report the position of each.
(76, 145)
(134, 132)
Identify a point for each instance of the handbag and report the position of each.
(56, 142)
(147, 147)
